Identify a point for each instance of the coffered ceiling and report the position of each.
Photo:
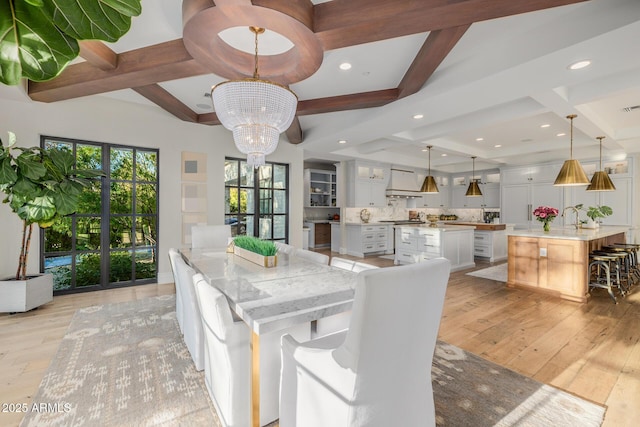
(485, 75)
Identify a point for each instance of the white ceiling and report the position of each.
(501, 82)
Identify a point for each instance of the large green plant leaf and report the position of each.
(38, 38)
(7, 174)
(39, 209)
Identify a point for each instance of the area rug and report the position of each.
(126, 364)
(497, 272)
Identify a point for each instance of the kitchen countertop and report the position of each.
(480, 225)
(319, 221)
(443, 227)
(570, 233)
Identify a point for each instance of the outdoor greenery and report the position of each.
(39, 38)
(253, 244)
(41, 185)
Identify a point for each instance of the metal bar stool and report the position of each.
(632, 250)
(626, 275)
(600, 273)
(620, 280)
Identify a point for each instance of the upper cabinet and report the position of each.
(489, 183)
(436, 200)
(367, 183)
(320, 188)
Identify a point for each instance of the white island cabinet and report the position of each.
(363, 239)
(418, 243)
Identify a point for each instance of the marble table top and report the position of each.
(270, 299)
(571, 233)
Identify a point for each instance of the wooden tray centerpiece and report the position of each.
(261, 252)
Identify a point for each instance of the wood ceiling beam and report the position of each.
(139, 67)
(342, 23)
(347, 102)
(99, 55)
(209, 119)
(437, 46)
(294, 133)
(156, 94)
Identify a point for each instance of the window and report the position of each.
(257, 199)
(111, 240)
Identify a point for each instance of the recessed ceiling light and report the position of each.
(342, 141)
(444, 154)
(425, 149)
(479, 139)
(580, 64)
(546, 125)
(418, 116)
(345, 66)
(561, 134)
(497, 146)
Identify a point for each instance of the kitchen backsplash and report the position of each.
(402, 213)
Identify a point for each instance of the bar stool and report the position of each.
(632, 250)
(618, 269)
(600, 267)
(627, 277)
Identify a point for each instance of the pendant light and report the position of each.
(474, 188)
(257, 111)
(571, 172)
(600, 180)
(429, 185)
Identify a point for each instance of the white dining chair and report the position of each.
(210, 236)
(228, 359)
(312, 256)
(362, 266)
(284, 248)
(378, 372)
(173, 254)
(192, 325)
(345, 264)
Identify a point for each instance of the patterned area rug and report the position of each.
(497, 272)
(126, 364)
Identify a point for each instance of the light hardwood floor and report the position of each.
(591, 350)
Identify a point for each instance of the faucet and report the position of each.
(576, 210)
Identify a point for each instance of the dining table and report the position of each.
(295, 291)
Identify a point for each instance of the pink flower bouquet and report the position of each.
(545, 214)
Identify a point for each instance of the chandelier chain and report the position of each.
(255, 71)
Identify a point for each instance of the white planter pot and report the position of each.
(24, 295)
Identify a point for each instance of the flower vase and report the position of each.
(546, 227)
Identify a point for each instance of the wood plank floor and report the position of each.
(591, 350)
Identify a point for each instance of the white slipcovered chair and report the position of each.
(362, 266)
(345, 264)
(210, 236)
(227, 356)
(312, 256)
(284, 248)
(378, 372)
(173, 254)
(192, 325)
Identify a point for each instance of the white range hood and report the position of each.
(403, 183)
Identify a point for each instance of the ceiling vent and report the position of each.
(630, 109)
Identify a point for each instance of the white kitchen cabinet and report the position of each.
(620, 201)
(367, 184)
(416, 244)
(436, 200)
(491, 244)
(320, 188)
(489, 183)
(336, 237)
(365, 239)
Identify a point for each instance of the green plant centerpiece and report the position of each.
(40, 185)
(261, 252)
(595, 212)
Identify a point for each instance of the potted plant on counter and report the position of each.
(40, 185)
(596, 212)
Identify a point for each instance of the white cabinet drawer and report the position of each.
(408, 244)
(406, 257)
(374, 237)
(482, 251)
(425, 245)
(369, 247)
(373, 228)
(381, 246)
(480, 237)
(405, 235)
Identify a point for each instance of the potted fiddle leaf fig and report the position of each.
(40, 185)
(40, 37)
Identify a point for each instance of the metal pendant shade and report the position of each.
(256, 111)
(429, 184)
(474, 188)
(571, 172)
(600, 180)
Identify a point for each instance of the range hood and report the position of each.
(403, 183)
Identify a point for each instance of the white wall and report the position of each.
(103, 119)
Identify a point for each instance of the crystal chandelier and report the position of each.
(256, 111)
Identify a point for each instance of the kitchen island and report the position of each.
(556, 262)
(415, 243)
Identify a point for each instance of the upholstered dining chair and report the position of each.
(312, 256)
(173, 254)
(285, 248)
(362, 266)
(210, 236)
(345, 264)
(228, 359)
(378, 372)
(192, 325)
